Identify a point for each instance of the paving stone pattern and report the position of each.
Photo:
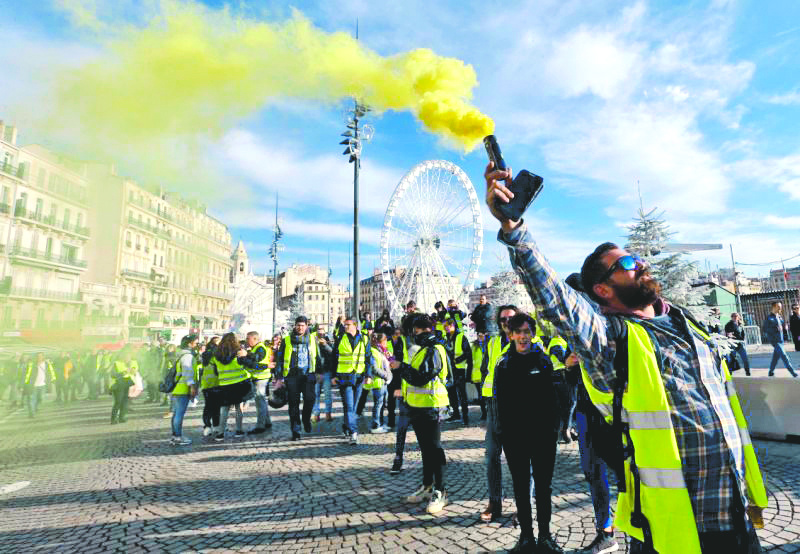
(123, 488)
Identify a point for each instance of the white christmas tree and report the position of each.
(647, 237)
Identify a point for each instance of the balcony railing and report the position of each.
(61, 259)
(214, 293)
(50, 221)
(17, 171)
(136, 274)
(149, 228)
(5, 208)
(45, 294)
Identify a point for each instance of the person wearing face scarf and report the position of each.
(425, 395)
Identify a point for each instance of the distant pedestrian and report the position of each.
(350, 359)
(233, 369)
(773, 329)
(39, 374)
(185, 389)
(481, 314)
(734, 330)
(323, 388)
(384, 324)
(794, 326)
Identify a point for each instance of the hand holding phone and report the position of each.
(525, 187)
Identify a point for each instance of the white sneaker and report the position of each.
(379, 430)
(354, 438)
(180, 441)
(206, 431)
(420, 495)
(437, 502)
(193, 403)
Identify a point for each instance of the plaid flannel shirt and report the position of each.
(705, 427)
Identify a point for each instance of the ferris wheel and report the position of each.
(432, 237)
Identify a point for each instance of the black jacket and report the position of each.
(524, 399)
(431, 365)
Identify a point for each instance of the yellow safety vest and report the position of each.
(263, 372)
(29, 372)
(477, 362)
(459, 323)
(352, 361)
(434, 393)
(181, 388)
(377, 358)
(558, 365)
(209, 379)
(663, 494)
(287, 353)
(230, 373)
(459, 351)
(495, 350)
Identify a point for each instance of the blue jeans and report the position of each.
(596, 472)
(323, 387)
(742, 351)
(223, 418)
(260, 399)
(34, 399)
(350, 389)
(378, 399)
(403, 422)
(179, 405)
(779, 352)
(494, 471)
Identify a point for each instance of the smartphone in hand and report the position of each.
(526, 186)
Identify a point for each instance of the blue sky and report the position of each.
(697, 102)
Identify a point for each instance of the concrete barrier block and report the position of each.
(771, 406)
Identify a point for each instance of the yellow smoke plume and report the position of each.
(195, 72)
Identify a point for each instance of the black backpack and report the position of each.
(170, 379)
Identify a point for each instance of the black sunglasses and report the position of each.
(627, 263)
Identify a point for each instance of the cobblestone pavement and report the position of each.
(98, 488)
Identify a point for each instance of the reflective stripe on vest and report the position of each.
(263, 372)
(352, 360)
(477, 362)
(288, 349)
(434, 393)
(231, 373)
(558, 365)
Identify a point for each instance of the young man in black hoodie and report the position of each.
(525, 409)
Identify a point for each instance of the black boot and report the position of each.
(526, 543)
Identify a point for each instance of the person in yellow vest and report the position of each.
(185, 389)
(233, 370)
(261, 355)
(323, 390)
(456, 315)
(209, 384)
(404, 350)
(691, 478)
(350, 359)
(399, 344)
(379, 376)
(558, 351)
(425, 394)
(122, 372)
(38, 375)
(438, 317)
(460, 353)
(297, 366)
(495, 348)
(477, 374)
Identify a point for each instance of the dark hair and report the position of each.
(520, 319)
(574, 281)
(501, 309)
(421, 321)
(228, 347)
(185, 341)
(439, 304)
(593, 268)
(411, 303)
(376, 338)
(301, 319)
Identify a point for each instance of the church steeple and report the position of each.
(241, 263)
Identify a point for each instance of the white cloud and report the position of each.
(786, 99)
(324, 180)
(592, 61)
(790, 222)
(782, 172)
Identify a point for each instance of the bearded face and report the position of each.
(639, 294)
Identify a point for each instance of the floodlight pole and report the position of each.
(736, 285)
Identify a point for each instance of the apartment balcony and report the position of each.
(37, 257)
(131, 274)
(214, 293)
(17, 171)
(5, 208)
(51, 222)
(44, 294)
(158, 304)
(149, 228)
